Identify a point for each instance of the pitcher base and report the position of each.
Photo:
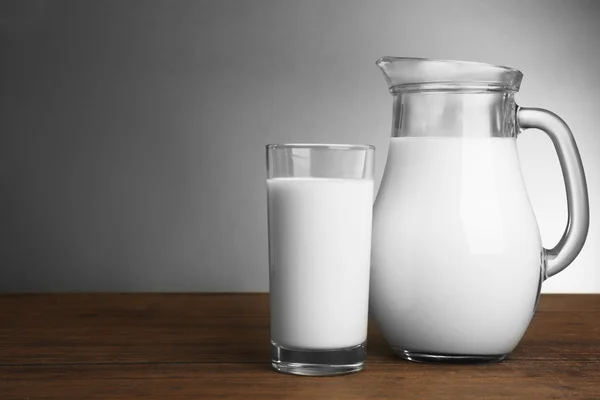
(448, 358)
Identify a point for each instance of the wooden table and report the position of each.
(210, 346)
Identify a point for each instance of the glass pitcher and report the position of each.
(457, 259)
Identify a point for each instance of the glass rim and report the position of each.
(327, 146)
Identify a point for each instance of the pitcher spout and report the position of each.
(385, 64)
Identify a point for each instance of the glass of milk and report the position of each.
(320, 202)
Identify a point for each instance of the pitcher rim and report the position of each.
(386, 58)
(435, 74)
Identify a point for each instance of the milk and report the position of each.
(319, 241)
(456, 265)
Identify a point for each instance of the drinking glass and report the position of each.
(320, 201)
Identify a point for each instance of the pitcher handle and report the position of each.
(572, 240)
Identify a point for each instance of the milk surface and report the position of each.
(456, 258)
(320, 240)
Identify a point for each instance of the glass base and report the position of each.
(448, 358)
(318, 362)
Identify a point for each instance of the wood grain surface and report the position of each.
(216, 346)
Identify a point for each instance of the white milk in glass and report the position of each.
(320, 242)
(456, 246)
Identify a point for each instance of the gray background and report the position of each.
(133, 132)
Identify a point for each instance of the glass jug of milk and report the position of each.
(457, 261)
